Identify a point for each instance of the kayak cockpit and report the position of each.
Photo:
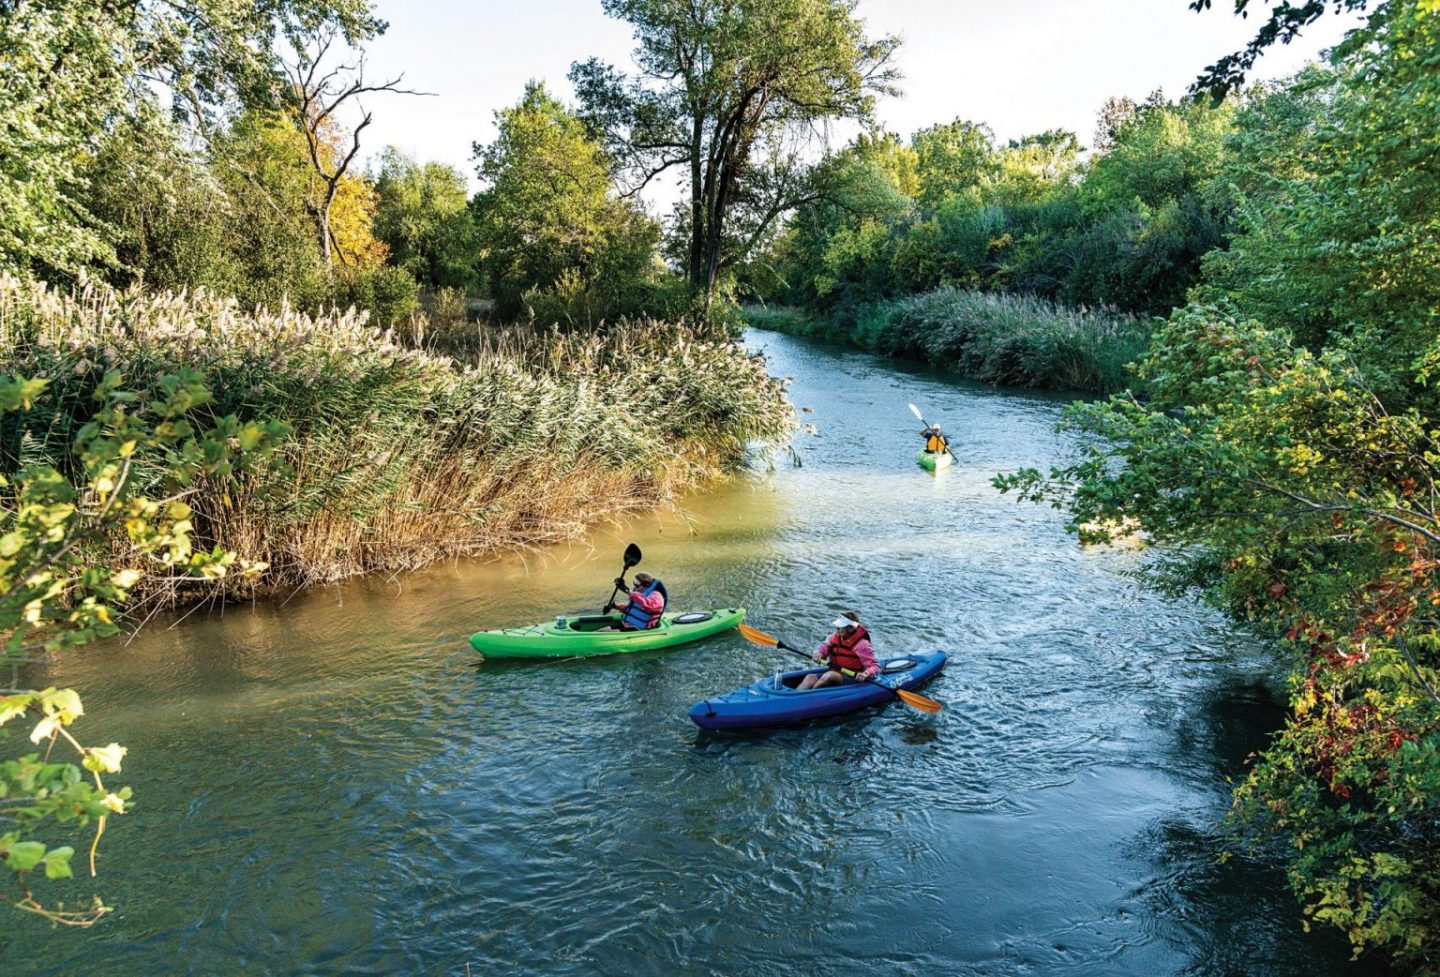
(599, 622)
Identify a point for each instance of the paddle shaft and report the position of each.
(632, 557)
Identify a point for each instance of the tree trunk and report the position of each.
(322, 220)
(697, 204)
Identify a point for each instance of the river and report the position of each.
(333, 785)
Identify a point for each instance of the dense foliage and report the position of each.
(75, 72)
(1126, 229)
(423, 216)
(731, 93)
(1288, 452)
(557, 240)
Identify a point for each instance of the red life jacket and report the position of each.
(842, 650)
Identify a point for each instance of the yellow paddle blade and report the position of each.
(918, 701)
(759, 637)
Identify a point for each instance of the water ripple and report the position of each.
(333, 786)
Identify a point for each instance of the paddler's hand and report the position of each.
(620, 583)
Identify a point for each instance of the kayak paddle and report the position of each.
(916, 411)
(632, 557)
(909, 698)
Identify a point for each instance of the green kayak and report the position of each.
(933, 462)
(582, 635)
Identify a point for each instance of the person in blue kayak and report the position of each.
(935, 442)
(847, 648)
(643, 604)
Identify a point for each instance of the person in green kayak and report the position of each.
(643, 605)
(849, 649)
(935, 442)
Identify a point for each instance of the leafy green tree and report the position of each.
(263, 202)
(837, 238)
(730, 91)
(72, 545)
(897, 160)
(1341, 245)
(1031, 169)
(1151, 209)
(424, 218)
(260, 160)
(1289, 495)
(175, 233)
(1290, 460)
(548, 211)
(952, 158)
(69, 70)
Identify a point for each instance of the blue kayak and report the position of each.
(774, 700)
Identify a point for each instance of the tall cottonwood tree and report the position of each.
(732, 91)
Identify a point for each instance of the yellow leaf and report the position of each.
(44, 729)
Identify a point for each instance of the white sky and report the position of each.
(1021, 66)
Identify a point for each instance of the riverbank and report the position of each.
(397, 457)
(1010, 340)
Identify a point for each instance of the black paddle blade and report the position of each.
(632, 555)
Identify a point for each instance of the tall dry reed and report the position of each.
(398, 457)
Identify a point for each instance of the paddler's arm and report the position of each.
(866, 654)
(823, 652)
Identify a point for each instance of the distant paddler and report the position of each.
(936, 453)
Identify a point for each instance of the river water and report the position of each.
(333, 785)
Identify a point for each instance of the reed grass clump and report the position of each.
(1019, 340)
(399, 457)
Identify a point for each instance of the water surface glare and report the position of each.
(332, 785)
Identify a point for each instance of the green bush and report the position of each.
(388, 293)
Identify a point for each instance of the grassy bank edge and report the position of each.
(1008, 340)
(397, 458)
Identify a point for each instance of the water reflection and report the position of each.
(1231, 915)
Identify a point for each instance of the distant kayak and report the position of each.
(764, 703)
(582, 635)
(934, 462)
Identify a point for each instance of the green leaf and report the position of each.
(57, 862)
(22, 856)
